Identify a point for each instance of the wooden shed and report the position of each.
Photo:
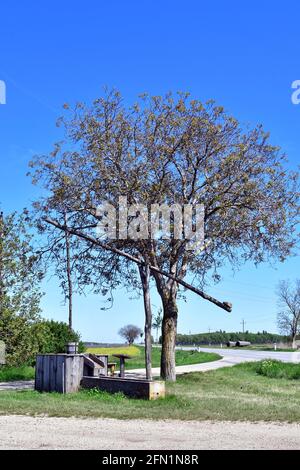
(58, 372)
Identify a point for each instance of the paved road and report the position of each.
(17, 385)
(25, 432)
(230, 358)
(244, 355)
(227, 361)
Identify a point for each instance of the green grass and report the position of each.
(278, 370)
(8, 374)
(138, 356)
(233, 393)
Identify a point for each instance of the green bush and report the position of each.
(25, 338)
(21, 342)
(278, 370)
(55, 336)
(8, 373)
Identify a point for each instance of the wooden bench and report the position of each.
(122, 358)
(94, 366)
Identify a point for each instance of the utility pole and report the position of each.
(243, 323)
(69, 273)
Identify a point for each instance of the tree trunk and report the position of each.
(145, 278)
(169, 330)
(294, 345)
(69, 276)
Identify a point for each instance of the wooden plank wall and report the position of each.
(150, 390)
(58, 372)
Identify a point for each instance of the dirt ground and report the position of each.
(25, 432)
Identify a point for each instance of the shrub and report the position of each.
(24, 339)
(278, 370)
(21, 342)
(8, 373)
(55, 336)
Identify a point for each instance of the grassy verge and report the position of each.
(235, 393)
(137, 354)
(278, 370)
(8, 374)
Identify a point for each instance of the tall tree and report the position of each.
(20, 294)
(145, 278)
(289, 309)
(157, 322)
(69, 274)
(19, 267)
(168, 150)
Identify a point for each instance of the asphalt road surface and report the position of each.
(244, 355)
(230, 358)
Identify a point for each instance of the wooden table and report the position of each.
(122, 358)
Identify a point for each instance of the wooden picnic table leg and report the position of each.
(122, 367)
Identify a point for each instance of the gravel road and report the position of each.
(24, 432)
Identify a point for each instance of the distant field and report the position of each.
(129, 350)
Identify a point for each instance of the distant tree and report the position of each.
(157, 322)
(130, 333)
(288, 316)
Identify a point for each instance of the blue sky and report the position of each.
(244, 56)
